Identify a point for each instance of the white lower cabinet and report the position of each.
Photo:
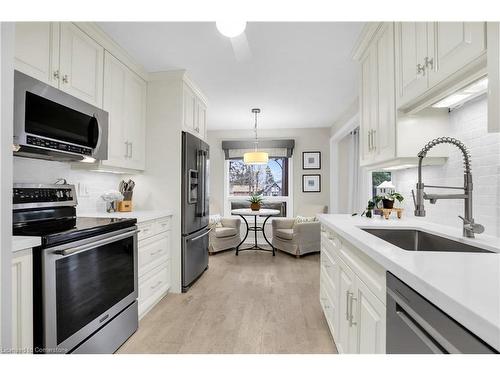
(22, 301)
(355, 312)
(153, 263)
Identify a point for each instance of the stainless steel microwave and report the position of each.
(53, 125)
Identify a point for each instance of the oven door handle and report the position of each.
(93, 245)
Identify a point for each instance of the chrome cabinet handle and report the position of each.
(421, 69)
(429, 62)
(369, 140)
(131, 149)
(351, 316)
(156, 252)
(347, 293)
(156, 285)
(126, 149)
(56, 74)
(65, 78)
(374, 145)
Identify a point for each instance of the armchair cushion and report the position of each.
(286, 234)
(282, 223)
(225, 232)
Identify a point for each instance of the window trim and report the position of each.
(288, 199)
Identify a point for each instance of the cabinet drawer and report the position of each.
(153, 227)
(327, 304)
(153, 286)
(151, 250)
(329, 267)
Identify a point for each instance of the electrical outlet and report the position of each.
(83, 190)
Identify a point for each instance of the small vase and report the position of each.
(388, 203)
(255, 206)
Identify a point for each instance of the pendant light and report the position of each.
(255, 157)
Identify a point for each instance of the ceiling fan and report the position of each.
(235, 31)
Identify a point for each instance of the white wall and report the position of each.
(468, 124)
(47, 172)
(6, 119)
(159, 187)
(315, 139)
(343, 175)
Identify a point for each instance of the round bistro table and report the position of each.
(267, 213)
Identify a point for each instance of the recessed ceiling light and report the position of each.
(461, 96)
(231, 28)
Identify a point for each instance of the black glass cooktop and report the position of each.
(68, 229)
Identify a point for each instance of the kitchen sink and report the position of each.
(417, 240)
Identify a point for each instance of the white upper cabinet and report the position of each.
(114, 83)
(194, 110)
(384, 137)
(81, 65)
(62, 55)
(189, 106)
(411, 51)
(125, 101)
(452, 46)
(135, 120)
(431, 55)
(37, 50)
(377, 107)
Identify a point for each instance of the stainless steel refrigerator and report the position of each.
(195, 201)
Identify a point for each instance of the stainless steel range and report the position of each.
(85, 272)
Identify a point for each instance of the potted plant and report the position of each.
(255, 202)
(388, 199)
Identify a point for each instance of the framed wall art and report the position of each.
(311, 160)
(311, 183)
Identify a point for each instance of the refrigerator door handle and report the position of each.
(200, 236)
(204, 187)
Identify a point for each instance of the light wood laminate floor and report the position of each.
(251, 303)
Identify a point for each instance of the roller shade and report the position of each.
(275, 148)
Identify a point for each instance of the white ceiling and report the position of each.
(299, 73)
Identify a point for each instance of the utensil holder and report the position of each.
(125, 206)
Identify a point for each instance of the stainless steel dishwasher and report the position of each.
(416, 326)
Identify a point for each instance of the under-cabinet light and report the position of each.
(463, 95)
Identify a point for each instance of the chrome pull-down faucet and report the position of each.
(469, 227)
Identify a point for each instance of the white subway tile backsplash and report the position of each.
(468, 124)
(47, 172)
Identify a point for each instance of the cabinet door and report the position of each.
(370, 321)
(189, 108)
(368, 101)
(37, 50)
(81, 65)
(346, 336)
(453, 45)
(135, 120)
(411, 50)
(114, 103)
(201, 118)
(22, 302)
(385, 133)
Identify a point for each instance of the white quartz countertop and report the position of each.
(140, 215)
(25, 242)
(464, 285)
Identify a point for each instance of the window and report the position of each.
(378, 178)
(273, 181)
(269, 180)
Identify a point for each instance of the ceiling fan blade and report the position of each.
(241, 48)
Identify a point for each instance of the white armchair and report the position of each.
(296, 238)
(224, 236)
